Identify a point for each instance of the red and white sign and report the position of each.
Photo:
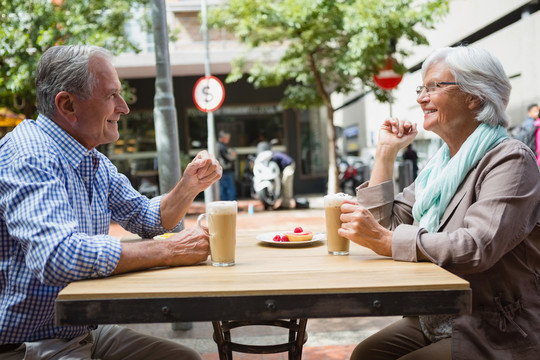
(387, 78)
(208, 93)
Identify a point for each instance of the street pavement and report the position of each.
(328, 339)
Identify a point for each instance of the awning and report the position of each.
(9, 118)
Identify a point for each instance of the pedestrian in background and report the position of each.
(287, 166)
(473, 210)
(411, 155)
(526, 132)
(537, 125)
(227, 158)
(58, 195)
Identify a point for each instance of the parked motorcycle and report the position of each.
(352, 173)
(266, 179)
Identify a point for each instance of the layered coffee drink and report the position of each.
(221, 217)
(337, 245)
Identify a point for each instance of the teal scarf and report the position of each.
(437, 183)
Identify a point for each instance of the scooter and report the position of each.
(351, 174)
(266, 179)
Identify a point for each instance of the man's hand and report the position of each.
(188, 247)
(201, 172)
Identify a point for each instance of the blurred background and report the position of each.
(274, 44)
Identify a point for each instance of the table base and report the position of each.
(297, 338)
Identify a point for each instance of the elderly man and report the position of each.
(58, 195)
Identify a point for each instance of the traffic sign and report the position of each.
(387, 78)
(208, 93)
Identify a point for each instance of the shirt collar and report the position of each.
(71, 148)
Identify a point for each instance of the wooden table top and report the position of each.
(265, 271)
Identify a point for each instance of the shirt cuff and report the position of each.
(371, 197)
(378, 199)
(109, 257)
(404, 243)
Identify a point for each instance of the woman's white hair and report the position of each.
(480, 74)
(65, 68)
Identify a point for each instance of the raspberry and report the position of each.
(277, 238)
(284, 238)
(298, 230)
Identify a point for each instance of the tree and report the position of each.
(29, 27)
(327, 46)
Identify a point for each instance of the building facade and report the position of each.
(507, 28)
(510, 29)
(249, 114)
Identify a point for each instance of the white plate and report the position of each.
(269, 239)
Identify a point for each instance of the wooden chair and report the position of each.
(297, 338)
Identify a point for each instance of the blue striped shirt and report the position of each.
(57, 200)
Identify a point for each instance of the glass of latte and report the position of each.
(221, 218)
(337, 245)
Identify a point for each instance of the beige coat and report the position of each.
(490, 236)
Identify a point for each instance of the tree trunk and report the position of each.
(333, 184)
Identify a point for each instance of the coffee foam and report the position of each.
(336, 199)
(222, 207)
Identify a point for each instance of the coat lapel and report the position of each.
(463, 189)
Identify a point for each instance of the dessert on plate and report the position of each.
(297, 235)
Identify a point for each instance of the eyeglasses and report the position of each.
(432, 85)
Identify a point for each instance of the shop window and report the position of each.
(245, 124)
(313, 144)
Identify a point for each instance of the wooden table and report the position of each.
(268, 283)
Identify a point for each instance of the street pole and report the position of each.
(212, 193)
(165, 121)
(390, 102)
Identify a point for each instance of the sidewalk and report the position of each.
(315, 202)
(328, 339)
(269, 220)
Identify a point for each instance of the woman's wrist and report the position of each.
(386, 153)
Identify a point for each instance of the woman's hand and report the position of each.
(359, 226)
(396, 133)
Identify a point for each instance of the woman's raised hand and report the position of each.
(397, 133)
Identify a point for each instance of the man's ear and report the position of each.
(64, 105)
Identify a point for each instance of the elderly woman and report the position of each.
(473, 210)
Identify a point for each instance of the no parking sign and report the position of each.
(387, 78)
(208, 93)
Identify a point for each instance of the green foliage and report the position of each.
(325, 45)
(29, 27)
